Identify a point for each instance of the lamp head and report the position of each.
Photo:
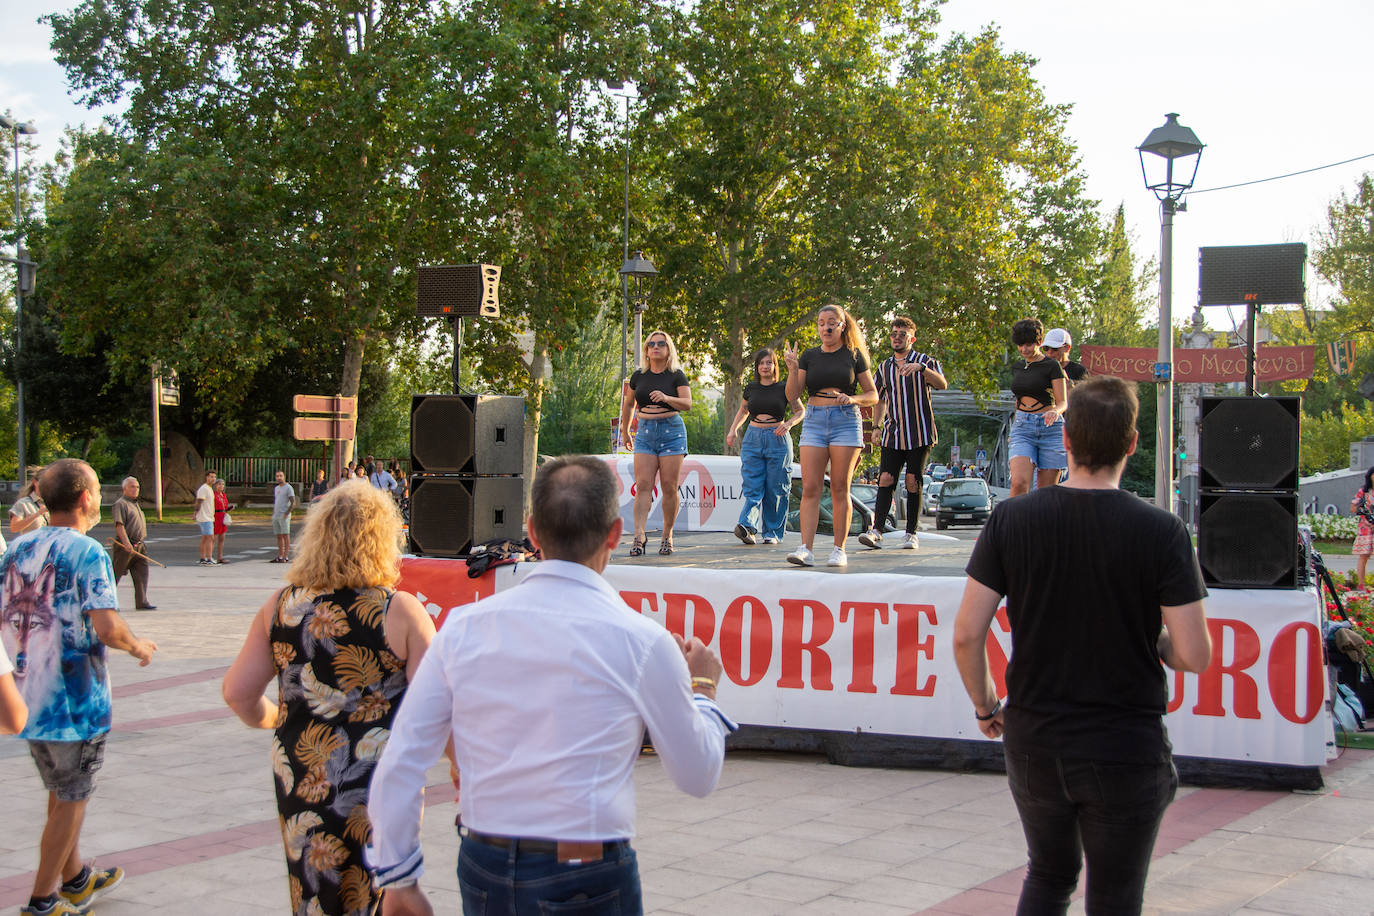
(1174, 153)
(640, 273)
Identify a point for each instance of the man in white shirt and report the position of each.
(283, 501)
(205, 518)
(545, 690)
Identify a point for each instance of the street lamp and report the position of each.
(1168, 172)
(637, 275)
(620, 86)
(24, 285)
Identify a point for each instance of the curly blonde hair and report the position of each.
(351, 539)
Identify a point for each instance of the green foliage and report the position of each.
(1326, 439)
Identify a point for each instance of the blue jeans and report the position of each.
(765, 464)
(1043, 445)
(661, 435)
(832, 424)
(1072, 809)
(512, 883)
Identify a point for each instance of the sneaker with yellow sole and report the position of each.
(97, 883)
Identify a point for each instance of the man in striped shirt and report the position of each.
(904, 428)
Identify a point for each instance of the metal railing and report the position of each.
(255, 471)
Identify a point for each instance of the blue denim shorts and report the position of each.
(832, 424)
(206, 528)
(1043, 445)
(661, 436)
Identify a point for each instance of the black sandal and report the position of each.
(637, 548)
(665, 547)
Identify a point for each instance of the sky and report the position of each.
(1270, 88)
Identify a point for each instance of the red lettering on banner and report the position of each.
(703, 616)
(760, 640)
(910, 645)
(641, 602)
(997, 656)
(442, 585)
(1244, 690)
(866, 614)
(793, 644)
(1176, 692)
(1283, 672)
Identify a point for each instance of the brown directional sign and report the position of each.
(316, 403)
(325, 429)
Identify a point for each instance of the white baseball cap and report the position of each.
(1057, 338)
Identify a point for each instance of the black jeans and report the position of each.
(1073, 809)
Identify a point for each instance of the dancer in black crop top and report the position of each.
(656, 395)
(765, 453)
(838, 382)
(1037, 381)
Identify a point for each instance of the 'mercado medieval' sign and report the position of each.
(1272, 364)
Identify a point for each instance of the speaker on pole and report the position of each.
(451, 515)
(1248, 505)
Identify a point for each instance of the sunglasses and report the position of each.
(658, 343)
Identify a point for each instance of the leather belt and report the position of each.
(567, 852)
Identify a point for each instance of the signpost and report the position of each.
(339, 425)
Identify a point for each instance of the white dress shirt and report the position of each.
(546, 689)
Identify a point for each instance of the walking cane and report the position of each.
(110, 545)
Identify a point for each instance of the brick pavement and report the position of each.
(185, 805)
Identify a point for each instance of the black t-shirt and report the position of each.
(768, 402)
(1075, 371)
(839, 370)
(1036, 380)
(643, 381)
(1085, 573)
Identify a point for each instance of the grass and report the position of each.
(1364, 740)
(186, 514)
(1335, 548)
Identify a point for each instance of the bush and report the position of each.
(1331, 527)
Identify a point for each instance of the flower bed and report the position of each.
(1359, 607)
(1331, 527)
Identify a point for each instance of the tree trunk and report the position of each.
(351, 381)
(534, 403)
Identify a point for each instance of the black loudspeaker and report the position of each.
(1258, 274)
(451, 515)
(1248, 444)
(457, 290)
(1248, 540)
(467, 434)
(1247, 527)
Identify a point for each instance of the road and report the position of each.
(249, 541)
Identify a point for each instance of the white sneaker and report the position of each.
(802, 557)
(909, 541)
(771, 540)
(837, 558)
(872, 539)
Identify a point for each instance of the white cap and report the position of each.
(1057, 338)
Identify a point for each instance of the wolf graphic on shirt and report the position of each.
(30, 626)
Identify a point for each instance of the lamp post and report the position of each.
(638, 275)
(24, 285)
(1169, 173)
(619, 86)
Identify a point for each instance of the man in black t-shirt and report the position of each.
(1100, 588)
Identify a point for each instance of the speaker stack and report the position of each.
(467, 455)
(1248, 503)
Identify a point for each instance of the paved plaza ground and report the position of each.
(185, 804)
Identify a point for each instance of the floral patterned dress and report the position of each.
(339, 686)
(1364, 541)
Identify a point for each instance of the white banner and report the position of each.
(710, 490)
(874, 653)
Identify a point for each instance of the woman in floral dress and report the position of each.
(1363, 507)
(342, 645)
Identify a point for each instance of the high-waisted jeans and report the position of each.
(766, 468)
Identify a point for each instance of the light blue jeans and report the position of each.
(766, 468)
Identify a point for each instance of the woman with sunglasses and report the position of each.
(657, 394)
(838, 381)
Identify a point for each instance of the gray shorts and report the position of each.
(281, 524)
(68, 768)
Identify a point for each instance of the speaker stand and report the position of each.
(1251, 314)
(457, 354)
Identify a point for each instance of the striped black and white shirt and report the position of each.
(909, 421)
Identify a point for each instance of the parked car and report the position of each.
(963, 501)
(939, 473)
(932, 496)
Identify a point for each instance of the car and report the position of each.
(932, 496)
(939, 473)
(963, 501)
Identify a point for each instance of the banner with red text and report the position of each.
(1272, 364)
(874, 653)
